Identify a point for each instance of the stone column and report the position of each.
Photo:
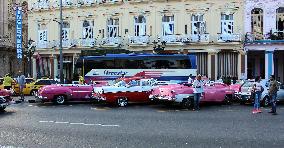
(212, 64)
(51, 60)
(246, 65)
(34, 68)
(242, 65)
(269, 63)
(55, 65)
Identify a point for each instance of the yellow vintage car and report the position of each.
(1, 83)
(33, 87)
(16, 87)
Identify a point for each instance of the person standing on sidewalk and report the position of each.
(257, 90)
(198, 90)
(21, 81)
(273, 88)
(7, 82)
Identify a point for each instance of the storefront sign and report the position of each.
(19, 32)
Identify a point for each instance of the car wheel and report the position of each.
(265, 101)
(2, 109)
(60, 99)
(228, 100)
(187, 103)
(34, 92)
(122, 102)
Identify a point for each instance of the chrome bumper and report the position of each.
(162, 98)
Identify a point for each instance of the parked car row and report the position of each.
(31, 87)
(245, 93)
(137, 89)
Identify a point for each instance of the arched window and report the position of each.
(227, 23)
(65, 31)
(88, 29)
(140, 25)
(168, 25)
(280, 21)
(257, 23)
(113, 27)
(198, 24)
(42, 32)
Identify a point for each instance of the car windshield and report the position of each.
(248, 84)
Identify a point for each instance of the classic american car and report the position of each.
(126, 90)
(246, 96)
(5, 98)
(62, 93)
(183, 94)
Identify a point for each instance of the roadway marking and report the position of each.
(100, 108)
(62, 122)
(80, 123)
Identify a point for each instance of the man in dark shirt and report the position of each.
(273, 88)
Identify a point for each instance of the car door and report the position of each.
(81, 92)
(133, 91)
(209, 93)
(280, 93)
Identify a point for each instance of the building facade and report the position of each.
(264, 43)
(211, 29)
(8, 57)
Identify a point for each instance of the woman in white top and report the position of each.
(257, 89)
(197, 90)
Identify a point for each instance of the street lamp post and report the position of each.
(60, 45)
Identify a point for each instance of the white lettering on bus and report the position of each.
(115, 73)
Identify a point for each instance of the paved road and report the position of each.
(138, 125)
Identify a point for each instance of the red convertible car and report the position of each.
(63, 93)
(5, 98)
(183, 94)
(126, 90)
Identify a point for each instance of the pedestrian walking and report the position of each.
(257, 90)
(273, 88)
(7, 82)
(21, 81)
(198, 90)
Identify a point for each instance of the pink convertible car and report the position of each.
(183, 94)
(63, 93)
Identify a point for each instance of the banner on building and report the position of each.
(19, 32)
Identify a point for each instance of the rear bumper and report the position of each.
(41, 98)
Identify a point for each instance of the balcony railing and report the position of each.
(88, 2)
(41, 5)
(229, 37)
(42, 44)
(196, 38)
(87, 42)
(6, 43)
(275, 37)
(138, 40)
(172, 39)
(111, 41)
